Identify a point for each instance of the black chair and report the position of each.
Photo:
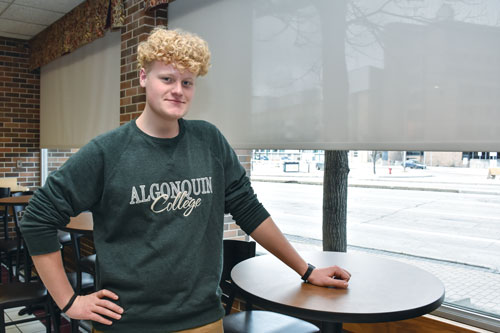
(266, 322)
(235, 251)
(250, 321)
(8, 246)
(25, 294)
(83, 279)
(16, 210)
(4, 193)
(64, 238)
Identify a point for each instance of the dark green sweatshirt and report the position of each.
(158, 207)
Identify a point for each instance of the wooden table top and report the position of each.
(83, 223)
(21, 200)
(380, 290)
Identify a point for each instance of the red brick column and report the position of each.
(138, 24)
(19, 114)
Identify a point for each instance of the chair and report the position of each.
(27, 293)
(235, 251)
(64, 238)
(250, 321)
(8, 246)
(16, 210)
(4, 193)
(266, 322)
(83, 279)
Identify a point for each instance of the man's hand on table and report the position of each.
(333, 276)
(94, 306)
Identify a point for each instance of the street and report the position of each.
(456, 227)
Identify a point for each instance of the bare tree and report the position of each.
(335, 201)
(376, 155)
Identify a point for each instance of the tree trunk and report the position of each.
(335, 201)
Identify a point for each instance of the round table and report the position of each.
(380, 290)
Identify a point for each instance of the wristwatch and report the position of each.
(306, 275)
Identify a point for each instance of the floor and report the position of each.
(30, 327)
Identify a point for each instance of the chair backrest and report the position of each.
(20, 208)
(24, 249)
(17, 210)
(235, 251)
(4, 193)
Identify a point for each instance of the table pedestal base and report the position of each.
(327, 327)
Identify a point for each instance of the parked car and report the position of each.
(320, 166)
(413, 164)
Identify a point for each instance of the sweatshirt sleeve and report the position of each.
(68, 191)
(240, 200)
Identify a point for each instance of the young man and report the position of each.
(158, 188)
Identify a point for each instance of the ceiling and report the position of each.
(23, 19)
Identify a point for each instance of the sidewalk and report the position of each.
(440, 179)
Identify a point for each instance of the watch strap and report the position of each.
(306, 275)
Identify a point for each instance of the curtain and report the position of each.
(84, 24)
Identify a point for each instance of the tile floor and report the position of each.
(30, 327)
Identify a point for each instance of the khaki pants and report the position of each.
(215, 327)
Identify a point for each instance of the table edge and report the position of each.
(341, 317)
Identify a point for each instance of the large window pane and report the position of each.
(441, 212)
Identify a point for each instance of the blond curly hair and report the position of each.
(184, 50)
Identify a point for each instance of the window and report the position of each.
(441, 215)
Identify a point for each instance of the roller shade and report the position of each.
(80, 94)
(360, 75)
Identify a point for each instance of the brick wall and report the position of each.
(19, 114)
(19, 117)
(57, 157)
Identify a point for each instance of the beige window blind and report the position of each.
(80, 94)
(356, 75)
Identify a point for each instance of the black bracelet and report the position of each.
(70, 303)
(310, 268)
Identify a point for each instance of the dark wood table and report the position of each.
(380, 290)
(83, 223)
(21, 200)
